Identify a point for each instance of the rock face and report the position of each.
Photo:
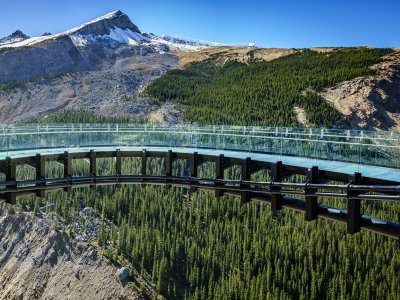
(51, 59)
(38, 263)
(371, 102)
(103, 25)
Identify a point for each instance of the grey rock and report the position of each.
(23, 252)
(77, 272)
(5, 256)
(122, 273)
(88, 211)
(92, 253)
(51, 256)
(81, 238)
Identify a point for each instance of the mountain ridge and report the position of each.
(15, 37)
(115, 26)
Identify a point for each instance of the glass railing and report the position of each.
(362, 147)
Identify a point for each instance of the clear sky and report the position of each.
(268, 23)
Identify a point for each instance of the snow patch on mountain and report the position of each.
(27, 42)
(126, 36)
(180, 43)
(119, 35)
(185, 41)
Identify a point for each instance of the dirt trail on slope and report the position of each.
(37, 262)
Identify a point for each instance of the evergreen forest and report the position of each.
(263, 92)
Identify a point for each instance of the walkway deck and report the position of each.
(376, 172)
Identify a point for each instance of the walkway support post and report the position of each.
(194, 164)
(11, 175)
(219, 173)
(118, 165)
(353, 207)
(246, 175)
(311, 201)
(40, 174)
(276, 199)
(93, 167)
(143, 168)
(168, 166)
(67, 169)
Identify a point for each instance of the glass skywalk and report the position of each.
(374, 153)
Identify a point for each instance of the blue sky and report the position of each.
(279, 23)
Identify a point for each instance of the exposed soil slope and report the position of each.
(226, 53)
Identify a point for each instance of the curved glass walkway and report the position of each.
(374, 154)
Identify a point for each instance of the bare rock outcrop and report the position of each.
(38, 263)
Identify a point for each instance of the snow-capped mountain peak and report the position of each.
(17, 36)
(103, 25)
(115, 28)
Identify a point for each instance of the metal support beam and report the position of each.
(67, 168)
(246, 175)
(40, 173)
(93, 166)
(276, 199)
(143, 168)
(168, 165)
(11, 175)
(354, 207)
(219, 173)
(194, 164)
(312, 201)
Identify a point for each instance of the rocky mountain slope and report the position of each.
(95, 45)
(98, 66)
(371, 102)
(37, 262)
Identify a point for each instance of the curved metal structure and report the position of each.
(317, 154)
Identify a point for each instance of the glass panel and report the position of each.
(361, 147)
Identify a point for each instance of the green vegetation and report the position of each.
(19, 83)
(4, 87)
(82, 116)
(201, 247)
(263, 93)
